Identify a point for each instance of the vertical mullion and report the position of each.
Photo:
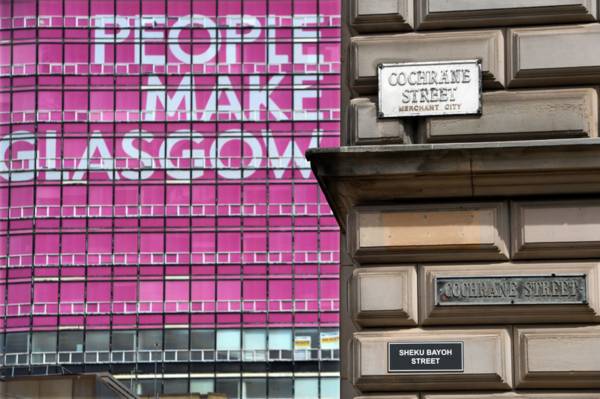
(9, 181)
(267, 195)
(88, 125)
(293, 188)
(240, 198)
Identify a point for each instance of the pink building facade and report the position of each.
(157, 216)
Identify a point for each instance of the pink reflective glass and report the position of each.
(157, 168)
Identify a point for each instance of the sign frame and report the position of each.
(381, 66)
(437, 303)
(405, 371)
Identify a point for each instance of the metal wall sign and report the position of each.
(429, 88)
(508, 290)
(425, 357)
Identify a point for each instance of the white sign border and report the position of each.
(382, 65)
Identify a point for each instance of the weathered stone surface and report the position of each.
(409, 396)
(556, 229)
(520, 115)
(439, 14)
(368, 174)
(487, 360)
(384, 296)
(366, 52)
(557, 357)
(382, 15)
(554, 55)
(365, 128)
(504, 314)
(516, 395)
(347, 327)
(429, 232)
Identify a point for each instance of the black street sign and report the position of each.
(425, 357)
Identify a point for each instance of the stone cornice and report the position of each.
(378, 174)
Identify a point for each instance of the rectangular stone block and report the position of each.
(366, 128)
(441, 14)
(474, 300)
(520, 115)
(429, 232)
(408, 396)
(381, 16)
(366, 52)
(516, 395)
(555, 229)
(557, 55)
(384, 296)
(557, 357)
(487, 360)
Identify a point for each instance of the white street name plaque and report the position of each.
(429, 88)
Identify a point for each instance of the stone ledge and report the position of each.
(520, 115)
(381, 16)
(516, 395)
(441, 14)
(380, 174)
(557, 357)
(430, 314)
(366, 52)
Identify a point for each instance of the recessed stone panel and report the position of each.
(557, 55)
(408, 396)
(384, 296)
(556, 229)
(366, 128)
(366, 52)
(520, 115)
(516, 395)
(440, 14)
(432, 232)
(510, 293)
(486, 360)
(381, 15)
(557, 357)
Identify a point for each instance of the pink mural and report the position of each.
(152, 165)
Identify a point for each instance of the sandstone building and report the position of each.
(470, 244)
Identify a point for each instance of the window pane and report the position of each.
(175, 386)
(70, 341)
(280, 339)
(280, 388)
(43, 342)
(176, 339)
(255, 388)
(203, 339)
(228, 386)
(123, 340)
(202, 386)
(306, 388)
(97, 341)
(306, 338)
(150, 340)
(228, 340)
(255, 340)
(330, 339)
(330, 388)
(17, 342)
(146, 387)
